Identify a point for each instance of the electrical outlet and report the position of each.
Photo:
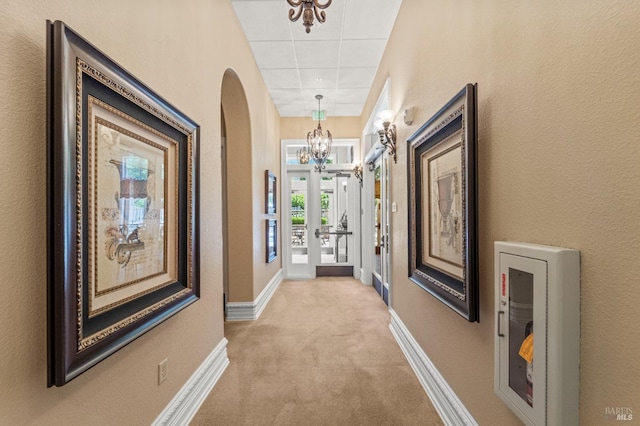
(163, 370)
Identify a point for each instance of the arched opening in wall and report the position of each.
(236, 192)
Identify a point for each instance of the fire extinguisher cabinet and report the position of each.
(537, 332)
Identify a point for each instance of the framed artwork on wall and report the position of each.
(443, 243)
(270, 192)
(272, 239)
(122, 197)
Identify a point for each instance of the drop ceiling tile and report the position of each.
(296, 66)
(309, 96)
(317, 54)
(257, 18)
(273, 54)
(328, 99)
(348, 110)
(277, 78)
(320, 78)
(356, 77)
(370, 19)
(351, 96)
(362, 53)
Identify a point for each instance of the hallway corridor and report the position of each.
(320, 354)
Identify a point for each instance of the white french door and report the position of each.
(320, 215)
(381, 228)
(295, 238)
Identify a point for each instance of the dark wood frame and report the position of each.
(460, 293)
(76, 70)
(270, 188)
(271, 244)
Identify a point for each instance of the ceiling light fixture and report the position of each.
(319, 145)
(387, 132)
(307, 8)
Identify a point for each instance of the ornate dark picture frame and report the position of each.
(443, 244)
(270, 192)
(122, 200)
(271, 239)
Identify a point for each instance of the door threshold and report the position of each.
(334, 271)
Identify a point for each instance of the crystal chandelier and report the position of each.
(307, 8)
(319, 145)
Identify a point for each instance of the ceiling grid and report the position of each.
(337, 59)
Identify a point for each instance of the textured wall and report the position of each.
(239, 182)
(558, 87)
(266, 156)
(341, 127)
(181, 50)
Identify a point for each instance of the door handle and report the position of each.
(340, 233)
(499, 333)
(333, 233)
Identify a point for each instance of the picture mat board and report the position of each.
(444, 242)
(116, 138)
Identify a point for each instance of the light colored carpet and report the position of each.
(320, 354)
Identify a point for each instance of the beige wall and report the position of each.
(266, 156)
(340, 127)
(558, 91)
(239, 189)
(181, 50)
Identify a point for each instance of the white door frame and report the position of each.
(291, 271)
(374, 151)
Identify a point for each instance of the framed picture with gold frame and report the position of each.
(443, 244)
(122, 197)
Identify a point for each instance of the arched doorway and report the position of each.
(236, 191)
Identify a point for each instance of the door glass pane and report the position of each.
(299, 220)
(377, 220)
(340, 154)
(334, 223)
(520, 327)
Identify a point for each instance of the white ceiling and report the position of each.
(337, 59)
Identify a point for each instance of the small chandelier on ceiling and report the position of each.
(307, 8)
(319, 145)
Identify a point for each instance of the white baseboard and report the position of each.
(362, 279)
(444, 399)
(188, 400)
(250, 311)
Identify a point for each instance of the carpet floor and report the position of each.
(320, 354)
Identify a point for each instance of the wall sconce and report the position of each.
(357, 171)
(303, 155)
(387, 132)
